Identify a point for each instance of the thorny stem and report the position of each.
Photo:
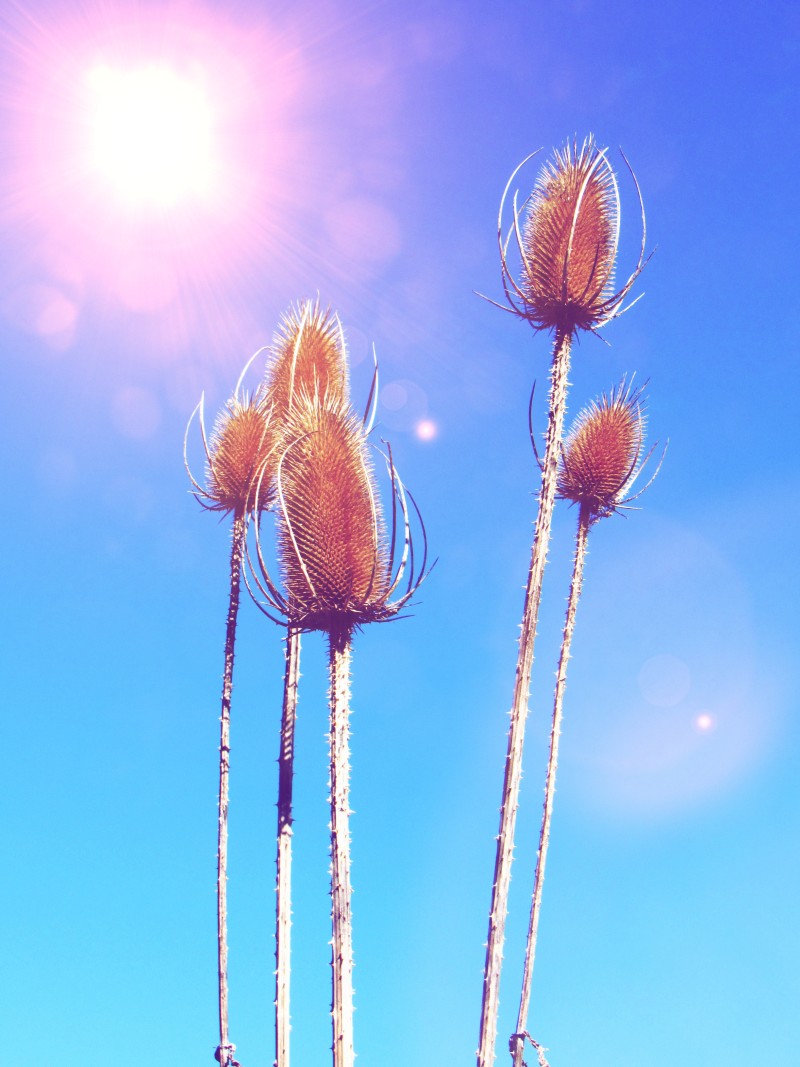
(519, 709)
(342, 945)
(536, 1047)
(237, 552)
(517, 1042)
(283, 905)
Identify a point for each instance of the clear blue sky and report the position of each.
(366, 147)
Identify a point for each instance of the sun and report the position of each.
(151, 135)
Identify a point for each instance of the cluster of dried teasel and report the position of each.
(296, 449)
(565, 236)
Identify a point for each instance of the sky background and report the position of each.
(363, 149)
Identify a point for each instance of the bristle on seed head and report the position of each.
(602, 452)
(308, 356)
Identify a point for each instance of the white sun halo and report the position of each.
(151, 135)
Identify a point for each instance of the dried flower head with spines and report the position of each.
(332, 539)
(602, 455)
(308, 355)
(241, 445)
(567, 243)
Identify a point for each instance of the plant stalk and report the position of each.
(342, 946)
(237, 552)
(517, 1042)
(519, 710)
(283, 906)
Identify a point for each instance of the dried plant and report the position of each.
(338, 569)
(307, 355)
(332, 539)
(308, 352)
(241, 446)
(601, 460)
(566, 235)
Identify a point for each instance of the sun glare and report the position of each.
(151, 135)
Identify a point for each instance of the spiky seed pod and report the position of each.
(240, 444)
(308, 356)
(601, 453)
(331, 536)
(569, 242)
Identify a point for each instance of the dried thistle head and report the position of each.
(240, 446)
(602, 452)
(332, 540)
(568, 244)
(308, 355)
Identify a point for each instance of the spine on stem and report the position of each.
(519, 709)
(342, 944)
(283, 909)
(237, 551)
(517, 1043)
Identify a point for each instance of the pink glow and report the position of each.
(136, 413)
(149, 245)
(426, 429)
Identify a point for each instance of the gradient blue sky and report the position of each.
(374, 141)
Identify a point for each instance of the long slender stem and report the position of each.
(517, 1043)
(342, 949)
(237, 551)
(519, 709)
(283, 907)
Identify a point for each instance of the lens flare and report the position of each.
(155, 147)
(151, 134)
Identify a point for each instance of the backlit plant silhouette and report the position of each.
(339, 573)
(566, 235)
(600, 462)
(240, 446)
(308, 353)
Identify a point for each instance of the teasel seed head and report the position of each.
(240, 444)
(567, 243)
(308, 355)
(332, 542)
(240, 447)
(602, 455)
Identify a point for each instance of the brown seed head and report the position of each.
(240, 445)
(331, 537)
(602, 451)
(308, 356)
(569, 241)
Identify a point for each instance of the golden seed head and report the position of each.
(569, 241)
(308, 356)
(331, 536)
(240, 445)
(602, 451)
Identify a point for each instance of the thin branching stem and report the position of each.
(342, 944)
(237, 554)
(516, 735)
(517, 1042)
(283, 905)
